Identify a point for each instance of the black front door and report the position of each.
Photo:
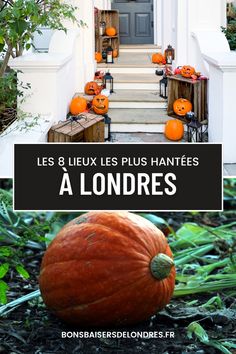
(136, 21)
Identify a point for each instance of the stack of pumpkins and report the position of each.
(174, 129)
(100, 103)
(110, 32)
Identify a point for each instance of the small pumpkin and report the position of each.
(115, 53)
(187, 71)
(100, 104)
(107, 269)
(158, 58)
(182, 106)
(91, 88)
(174, 129)
(111, 31)
(98, 57)
(78, 105)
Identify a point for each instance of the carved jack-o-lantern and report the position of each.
(182, 106)
(91, 88)
(100, 104)
(187, 71)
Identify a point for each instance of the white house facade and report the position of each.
(192, 27)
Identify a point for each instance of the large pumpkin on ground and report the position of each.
(92, 88)
(187, 71)
(182, 106)
(107, 269)
(174, 129)
(111, 31)
(78, 105)
(100, 104)
(158, 58)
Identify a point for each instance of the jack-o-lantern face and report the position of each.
(91, 88)
(187, 71)
(182, 106)
(100, 104)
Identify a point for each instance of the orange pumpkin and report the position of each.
(78, 105)
(187, 71)
(91, 88)
(115, 53)
(111, 31)
(100, 104)
(158, 58)
(98, 57)
(107, 269)
(174, 129)
(182, 106)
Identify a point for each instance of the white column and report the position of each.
(190, 16)
(222, 98)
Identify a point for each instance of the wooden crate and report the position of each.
(111, 17)
(193, 90)
(91, 128)
(102, 42)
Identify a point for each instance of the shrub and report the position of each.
(230, 33)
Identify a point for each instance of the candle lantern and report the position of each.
(108, 82)
(109, 55)
(104, 54)
(169, 54)
(102, 28)
(107, 121)
(163, 87)
(194, 129)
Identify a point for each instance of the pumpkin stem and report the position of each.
(161, 266)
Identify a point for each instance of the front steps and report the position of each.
(135, 105)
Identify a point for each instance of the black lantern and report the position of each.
(107, 121)
(104, 54)
(109, 58)
(163, 87)
(108, 82)
(169, 54)
(195, 132)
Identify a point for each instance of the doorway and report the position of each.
(136, 21)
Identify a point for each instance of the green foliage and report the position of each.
(199, 332)
(230, 33)
(10, 90)
(20, 19)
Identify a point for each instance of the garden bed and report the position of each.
(204, 249)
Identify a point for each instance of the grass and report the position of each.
(204, 255)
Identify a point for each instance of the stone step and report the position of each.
(139, 48)
(138, 120)
(131, 63)
(126, 69)
(138, 116)
(136, 81)
(148, 99)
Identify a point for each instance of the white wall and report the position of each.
(183, 17)
(102, 4)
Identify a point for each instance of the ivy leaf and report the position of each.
(5, 251)
(22, 271)
(3, 292)
(3, 269)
